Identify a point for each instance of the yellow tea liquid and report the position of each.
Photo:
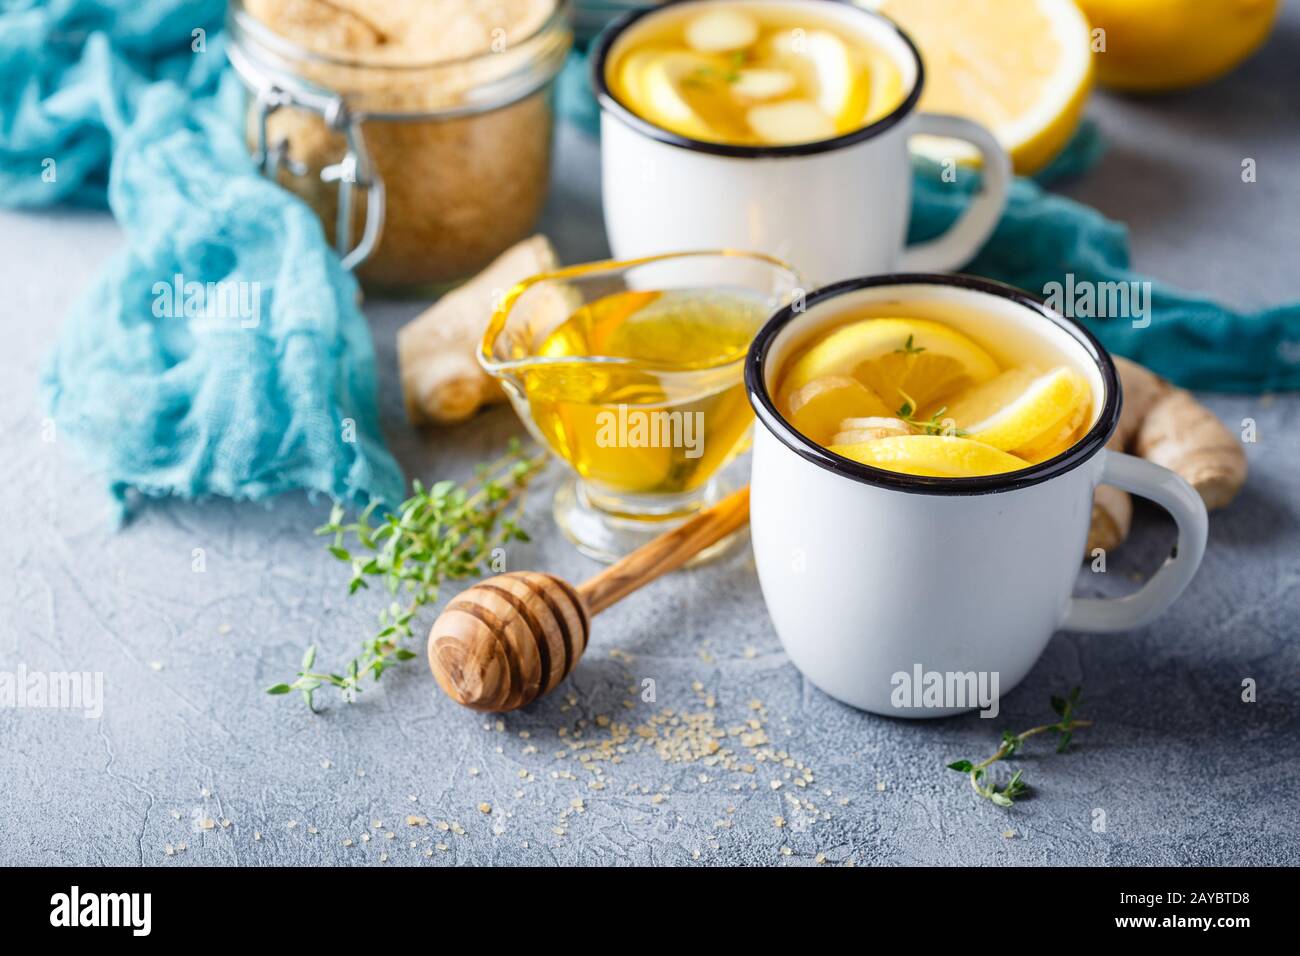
(936, 389)
(753, 75)
(663, 421)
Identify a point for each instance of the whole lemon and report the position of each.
(1154, 45)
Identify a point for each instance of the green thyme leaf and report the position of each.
(446, 532)
(1014, 743)
(909, 348)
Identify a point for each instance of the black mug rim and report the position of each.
(1078, 453)
(611, 103)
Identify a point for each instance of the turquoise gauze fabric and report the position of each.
(222, 351)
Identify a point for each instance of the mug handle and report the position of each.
(963, 240)
(1171, 492)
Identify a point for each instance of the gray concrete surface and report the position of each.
(1182, 769)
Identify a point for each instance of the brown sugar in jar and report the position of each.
(419, 130)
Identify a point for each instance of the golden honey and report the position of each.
(653, 403)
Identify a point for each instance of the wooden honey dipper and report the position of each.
(506, 641)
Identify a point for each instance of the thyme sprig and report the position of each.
(1065, 708)
(935, 425)
(447, 531)
(909, 348)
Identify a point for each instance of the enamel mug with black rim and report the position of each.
(833, 209)
(871, 574)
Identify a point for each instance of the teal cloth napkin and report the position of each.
(222, 352)
(1045, 239)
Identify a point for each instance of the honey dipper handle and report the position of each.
(666, 553)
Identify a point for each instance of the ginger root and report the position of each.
(1142, 389)
(1169, 427)
(1112, 516)
(1186, 437)
(437, 352)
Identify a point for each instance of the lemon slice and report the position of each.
(839, 87)
(1063, 438)
(834, 68)
(680, 328)
(817, 408)
(984, 401)
(655, 79)
(1043, 414)
(936, 456)
(1023, 68)
(913, 361)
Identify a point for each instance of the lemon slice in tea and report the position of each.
(936, 456)
(904, 361)
(817, 408)
(661, 84)
(1033, 417)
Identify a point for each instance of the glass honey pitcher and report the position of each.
(632, 373)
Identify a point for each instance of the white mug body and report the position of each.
(879, 584)
(865, 583)
(831, 214)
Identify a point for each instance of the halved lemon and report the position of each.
(817, 408)
(936, 456)
(1154, 45)
(1023, 68)
(1033, 417)
(904, 361)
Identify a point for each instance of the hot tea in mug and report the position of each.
(780, 126)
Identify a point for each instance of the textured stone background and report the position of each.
(1184, 771)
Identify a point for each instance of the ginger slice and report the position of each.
(720, 31)
(853, 431)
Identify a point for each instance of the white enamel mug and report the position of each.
(833, 209)
(871, 574)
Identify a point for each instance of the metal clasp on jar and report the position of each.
(354, 170)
